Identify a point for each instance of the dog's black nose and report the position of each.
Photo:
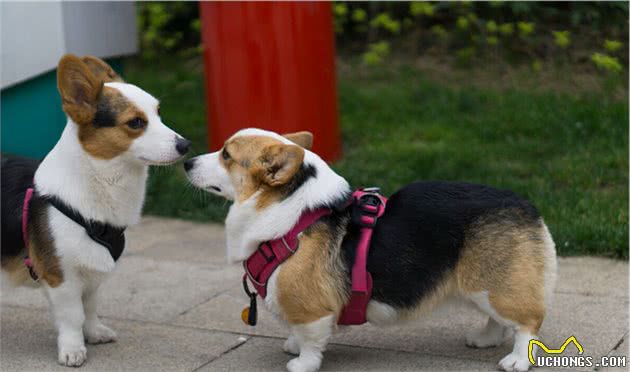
(182, 145)
(188, 164)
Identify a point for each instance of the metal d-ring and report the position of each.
(249, 293)
(286, 245)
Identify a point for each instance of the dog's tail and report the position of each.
(551, 266)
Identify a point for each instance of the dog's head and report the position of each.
(253, 162)
(272, 180)
(115, 118)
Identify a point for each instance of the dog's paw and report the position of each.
(483, 339)
(295, 365)
(99, 334)
(291, 346)
(304, 364)
(514, 363)
(73, 356)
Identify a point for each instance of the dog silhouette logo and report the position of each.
(566, 343)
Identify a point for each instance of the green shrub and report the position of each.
(562, 38)
(421, 8)
(385, 21)
(515, 31)
(506, 29)
(167, 27)
(491, 26)
(525, 29)
(359, 15)
(612, 45)
(462, 23)
(606, 62)
(376, 53)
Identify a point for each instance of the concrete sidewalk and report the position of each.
(176, 305)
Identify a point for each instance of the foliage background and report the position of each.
(590, 34)
(527, 96)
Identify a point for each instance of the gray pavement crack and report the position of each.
(223, 353)
(621, 341)
(590, 294)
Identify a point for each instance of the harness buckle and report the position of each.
(366, 208)
(271, 256)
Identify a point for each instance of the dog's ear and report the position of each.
(79, 89)
(101, 69)
(304, 139)
(280, 162)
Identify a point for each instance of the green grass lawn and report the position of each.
(567, 153)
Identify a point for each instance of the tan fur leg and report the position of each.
(311, 292)
(527, 320)
(311, 284)
(503, 269)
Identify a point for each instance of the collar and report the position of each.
(270, 254)
(107, 235)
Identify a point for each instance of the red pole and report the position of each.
(271, 65)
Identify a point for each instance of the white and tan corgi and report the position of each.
(94, 178)
(436, 240)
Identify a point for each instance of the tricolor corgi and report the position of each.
(63, 219)
(435, 240)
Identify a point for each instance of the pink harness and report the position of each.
(109, 236)
(369, 206)
(27, 260)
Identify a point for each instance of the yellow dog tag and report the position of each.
(249, 314)
(245, 315)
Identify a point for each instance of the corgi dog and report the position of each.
(67, 214)
(435, 240)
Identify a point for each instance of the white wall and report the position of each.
(35, 35)
(32, 39)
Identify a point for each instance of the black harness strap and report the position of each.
(109, 236)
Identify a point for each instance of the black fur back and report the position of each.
(17, 176)
(421, 234)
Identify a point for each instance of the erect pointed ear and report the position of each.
(78, 87)
(280, 163)
(101, 69)
(304, 139)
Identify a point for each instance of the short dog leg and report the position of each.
(292, 345)
(67, 310)
(507, 311)
(95, 332)
(491, 335)
(312, 338)
(518, 359)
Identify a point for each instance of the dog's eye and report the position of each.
(225, 154)
(136, 123)
(158, 111)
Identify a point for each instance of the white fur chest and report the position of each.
(74, 247)
(110, 191)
